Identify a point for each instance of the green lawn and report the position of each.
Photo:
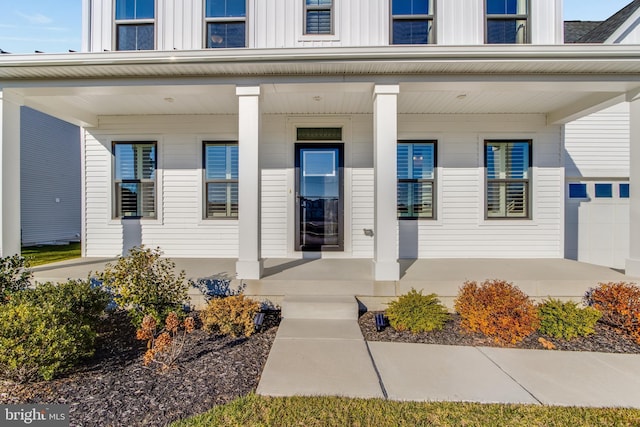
(256, 410)
(38, 255)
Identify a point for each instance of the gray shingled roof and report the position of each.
(603, 31)
(575, 30)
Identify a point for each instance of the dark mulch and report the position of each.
(115, 389)
(606, 339)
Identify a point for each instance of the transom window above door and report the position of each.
(226, 23)
(507, 21)
(412, 22)
(135, 24)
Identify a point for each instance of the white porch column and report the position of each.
(9, 177)
(249, 264)
(385, 135)
(632, 267)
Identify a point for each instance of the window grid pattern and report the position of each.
(318, 17)
(507, 21)
(221, 179)
(135, 24)
(412, 22)
(135, 179)
(507, 165)
(416, 162)
(226, 23)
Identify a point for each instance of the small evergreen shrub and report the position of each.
(46, 331)
(231, 315)
(417, 313)
(565, 320)
(497, 309)
(145, 284)
(619, 304)
(14, 275)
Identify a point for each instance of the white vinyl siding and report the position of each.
(50, 172)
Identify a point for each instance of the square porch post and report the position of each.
(385, 135)
(632, 267)
(249, 264)
(9, 176)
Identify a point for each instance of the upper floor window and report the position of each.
(318, 16)
(135, 23)
(507, 21)
(412, 21)
(221, 179)
(226, 23)
(135, 179)
(416, 162)
(508, 165)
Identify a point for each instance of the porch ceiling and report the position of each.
(555, 80)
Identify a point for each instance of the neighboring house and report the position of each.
(323, 128)
(50, 179)
(597, 159)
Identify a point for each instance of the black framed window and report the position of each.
(318, 16)
(221, 179)
(135, 24)
(226, 23)
(508, 179)
(135, 179)
(416, 162)
(507, 21)
(412, 22)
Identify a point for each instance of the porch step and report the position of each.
(334, 307)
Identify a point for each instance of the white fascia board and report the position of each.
(585, 106)
(623, 30)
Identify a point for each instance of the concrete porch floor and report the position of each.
(539, 278)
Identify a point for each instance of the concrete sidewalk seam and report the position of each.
(375, 368)
(510, 376)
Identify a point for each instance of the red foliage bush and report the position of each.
(497, 309)
(619, 304)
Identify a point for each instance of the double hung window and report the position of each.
(135, 179)
(221, 179)
(508, 176)
(507, 21)
(416, 162)
(135, 24)
(226, 23)
(318, 17)
(412, 21)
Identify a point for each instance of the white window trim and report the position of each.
(210, 20)
(335, 24)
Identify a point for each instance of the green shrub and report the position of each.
(47, 330)
(145, 284)
(417, 313)
(497, 309)
(231, 315)
(566, 320)
(14, 275)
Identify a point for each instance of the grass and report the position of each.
(253, 410)
(38, 255)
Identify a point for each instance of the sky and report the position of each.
(54, 26)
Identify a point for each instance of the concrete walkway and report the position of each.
(330, 357)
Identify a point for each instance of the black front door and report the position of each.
(319, 197)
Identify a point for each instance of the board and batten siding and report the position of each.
(50, 179)
(279, 24)
(598, 145)
(180, 230)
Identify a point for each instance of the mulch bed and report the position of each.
(113, 388)
(606, 338)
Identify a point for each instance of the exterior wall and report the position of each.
(278, 24)
(459, 231)
(597, 151)
(50, 179)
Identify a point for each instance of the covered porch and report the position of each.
(539, 278)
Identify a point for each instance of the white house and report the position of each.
(597, 159)
(370, 129)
